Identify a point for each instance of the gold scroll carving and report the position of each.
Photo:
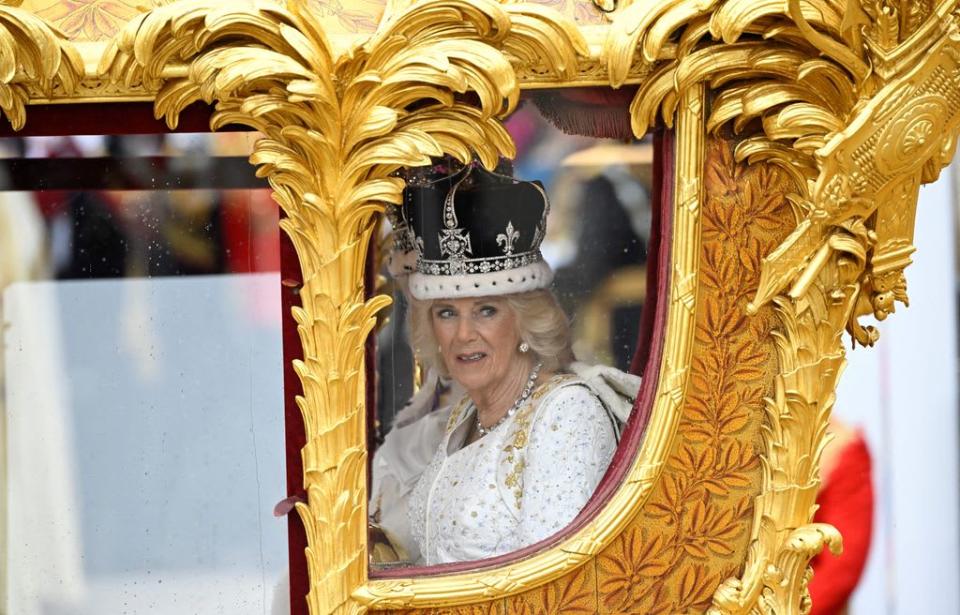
(33, 57)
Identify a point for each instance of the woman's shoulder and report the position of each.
(564, 389)
(563, 416)
(568, 398)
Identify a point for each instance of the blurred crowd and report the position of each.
(132, 206)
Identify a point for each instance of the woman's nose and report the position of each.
(465, 330)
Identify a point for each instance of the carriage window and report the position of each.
(143, 408)
(508, 366)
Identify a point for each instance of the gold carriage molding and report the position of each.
(802, 132)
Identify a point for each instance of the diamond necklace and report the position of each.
(527, 391)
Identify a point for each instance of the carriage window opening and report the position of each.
(495, 427)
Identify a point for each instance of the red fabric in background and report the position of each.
(662, 163)
(126, 118)
(598, 112)
(251, 236)
(846, 502)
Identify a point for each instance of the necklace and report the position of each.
(524, 395)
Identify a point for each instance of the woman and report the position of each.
(525, 447)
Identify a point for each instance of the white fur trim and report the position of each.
(507, 282)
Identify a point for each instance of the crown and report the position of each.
(477, 233)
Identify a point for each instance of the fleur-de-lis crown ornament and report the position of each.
(477, 233)
(507, 238)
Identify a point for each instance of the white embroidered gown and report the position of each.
(519, 484)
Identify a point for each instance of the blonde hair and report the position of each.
(541, 323)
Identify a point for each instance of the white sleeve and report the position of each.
(571, 444)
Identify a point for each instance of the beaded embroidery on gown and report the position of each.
(521, 483)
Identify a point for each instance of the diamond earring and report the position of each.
(524, 347)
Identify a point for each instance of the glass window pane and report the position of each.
(143, 407)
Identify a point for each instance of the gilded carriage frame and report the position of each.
(841, 107)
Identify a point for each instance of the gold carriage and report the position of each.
(792, 137)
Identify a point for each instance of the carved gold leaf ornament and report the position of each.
(33, 56)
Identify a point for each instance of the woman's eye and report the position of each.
(488, 310)
(444, 313)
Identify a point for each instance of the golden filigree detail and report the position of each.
(811, 358)
(871, 172)
(794, 79)
(771, 79)
(693, 531)
(92, 23)
(891, 22)
(33, 57)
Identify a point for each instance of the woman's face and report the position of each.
(478, 339)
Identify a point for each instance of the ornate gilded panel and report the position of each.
(693, 532)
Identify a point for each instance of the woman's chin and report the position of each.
(470, 376)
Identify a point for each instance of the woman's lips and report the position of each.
(471, 357)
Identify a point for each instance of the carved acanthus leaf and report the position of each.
(792, 79)
(33, 55)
